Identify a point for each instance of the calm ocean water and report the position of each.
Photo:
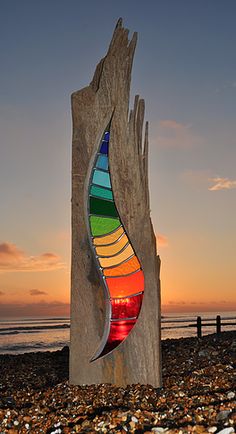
(49, 334)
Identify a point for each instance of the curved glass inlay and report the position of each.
(109, 239)
(103, 193)
(103, 225)
(117, 259)
(127, 267)
(101, 178)
(126, 285)
(117, 262)
(102, 162)
(128, 307)
(113, 249)
(102, 207)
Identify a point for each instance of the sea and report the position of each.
(23, 335)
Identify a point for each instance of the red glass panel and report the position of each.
(119, 331)
(127, 285)
(126, 307)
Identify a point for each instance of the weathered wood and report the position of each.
(137, 360)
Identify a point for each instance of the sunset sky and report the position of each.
(185, 69)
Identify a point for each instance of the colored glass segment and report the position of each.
(109, 239)
(102, 207)
(107, 136)
(101, 178)
(113, 249)
(119, 330)
(103, 225)
(127, 267)
(101, 192)
(104, 148)
(126, 285)
(115, 260)
(102, 162)
(128, 307)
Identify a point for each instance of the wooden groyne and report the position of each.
(199, 323)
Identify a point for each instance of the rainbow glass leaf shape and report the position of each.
(119, 267)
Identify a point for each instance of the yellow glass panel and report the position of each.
(114, 260)
(113, 249)
(108, 239)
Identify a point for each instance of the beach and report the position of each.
(198, 393)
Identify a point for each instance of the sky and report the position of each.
(185, 69)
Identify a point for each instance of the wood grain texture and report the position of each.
(138, 359)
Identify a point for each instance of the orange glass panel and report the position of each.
(115, 260)
(113, 249)
(127, 285)
(108, 239)
(126, 268)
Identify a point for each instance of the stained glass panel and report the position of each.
(128, 307)
(126, 268)
(119, 330)
(104, 148)
(101, 192)
(127, 285)
(108, 239)
(102, 207)
(103, 225)
(115, 260)
(102, 162)
(113, 249)
(101, 178)
(119, 265)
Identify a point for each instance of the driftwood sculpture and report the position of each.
(101, 119)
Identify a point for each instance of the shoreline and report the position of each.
(198, 393)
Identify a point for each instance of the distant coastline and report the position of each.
(27, 335)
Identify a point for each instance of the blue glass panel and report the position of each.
(101, 178)
(102, 162)
(106, 136)
(104, 147)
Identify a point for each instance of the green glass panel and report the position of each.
(103, 225)
(101, 192)
(102, 207)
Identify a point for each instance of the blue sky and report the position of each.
(185, 69)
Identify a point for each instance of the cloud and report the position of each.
(2, 293)
(178, 306)
(173, 134)
(42, 308)
(37, 292)
(13, 259)
(162, 240)
(227, 85)
(222, 184)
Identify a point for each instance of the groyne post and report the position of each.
(218, 324)
(199, 327)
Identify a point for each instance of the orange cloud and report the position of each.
(222, 184)
(198, 306)
(162, 240)
(173, 134)
(13, 259)
(37, 292)
(1, 293)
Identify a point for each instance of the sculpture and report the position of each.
(100, 118)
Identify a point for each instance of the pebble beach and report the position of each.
(198, 393)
